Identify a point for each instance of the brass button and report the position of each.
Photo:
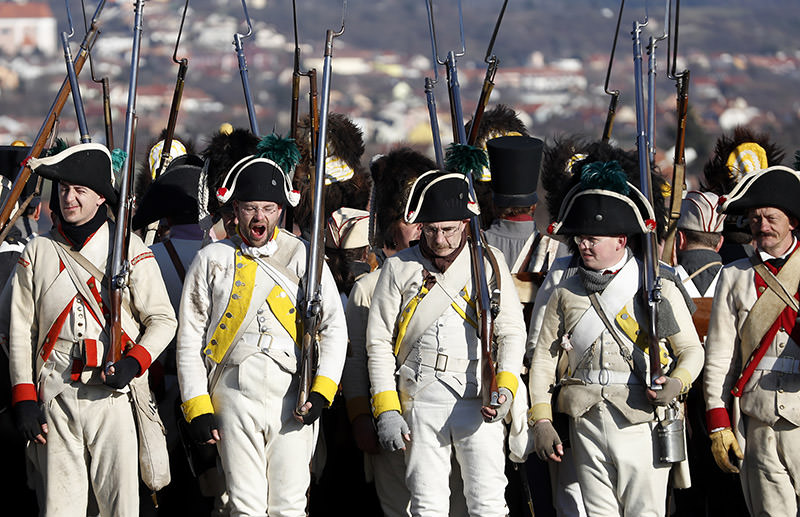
(761, 288)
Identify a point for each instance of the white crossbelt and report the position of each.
(779, 364)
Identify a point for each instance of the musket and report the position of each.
(73, 79)
(492, 63)
(183, 65)
(651, 280)
(38, 145)
(430, 84)
(651, 88)
(312, 312)
(120, 265)
(248, 97)
(679, 162)
(608, 127)
(488, 304)
(103, 81)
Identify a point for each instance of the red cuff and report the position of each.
(141, 355)
(717, 418)
(22, 392)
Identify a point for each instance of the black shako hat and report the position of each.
(173, 194)
(89, 165)
(603, 203)
(440, 196)
(515, 162)
(777, 186)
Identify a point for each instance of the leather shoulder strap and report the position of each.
(176, 259)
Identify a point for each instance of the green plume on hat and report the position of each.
(466, 159)
(605, 176)
(282, 151)
(58, 146)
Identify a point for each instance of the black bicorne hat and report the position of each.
(89, 165)
(604, 203)
(440, 196)
(515, 162)
(173, 194)
(11, 158)
(777, 186)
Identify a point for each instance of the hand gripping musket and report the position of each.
(612, 105)
(39, 143)
(248, 97)
(488, 303)
(120, 265)
(652, 282)
(492, 63)
(73, 79)
(177, 95)
(312, 312)
(679, 163)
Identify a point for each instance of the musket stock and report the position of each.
(312, 312)
(679, 167)
(40, 141)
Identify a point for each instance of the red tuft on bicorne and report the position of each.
(551, 228)
(650, 224)
(222, 191)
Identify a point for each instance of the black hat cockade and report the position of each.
(777, 186)
(173, 194)
(444, 195)
(263, 176)
(515, 162)
(603, 203)
(90, 165)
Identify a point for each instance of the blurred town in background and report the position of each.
(744, 59)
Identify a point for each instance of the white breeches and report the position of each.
(772, 465)
(441, 423)
(265, 452)
(617, 467)
(91, 439)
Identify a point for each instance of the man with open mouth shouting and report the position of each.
(238, 349)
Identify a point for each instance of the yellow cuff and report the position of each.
(508, 380)
(385, 401)
(199, 405)
(357, 406)
(684, 376)
(540, 411)
(325, 387)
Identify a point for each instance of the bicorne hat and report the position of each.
(173, 194)
(777, 186)
(89, 165)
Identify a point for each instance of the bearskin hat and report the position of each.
(346, 180)
(734, 156)
(737, 154)
(223, 151)
(143, 175)
(393, 174)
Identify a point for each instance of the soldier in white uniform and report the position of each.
(424, 356)
(238, 347)
(752, 354)
(613, 413)
(76, 411)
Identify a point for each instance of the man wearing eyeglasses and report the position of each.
(424, 356)
(592, 322)
(752, 372)
(238, 346)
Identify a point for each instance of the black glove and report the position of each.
(29, 418)
(318, 403)
(124, 371)
(201, 426)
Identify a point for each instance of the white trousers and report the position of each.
(91, 439)
(617, 465)
(442, 423)
(265, 453)
(772, 465)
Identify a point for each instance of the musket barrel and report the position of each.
(76, 90)
(248, 97)
(434, 117)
